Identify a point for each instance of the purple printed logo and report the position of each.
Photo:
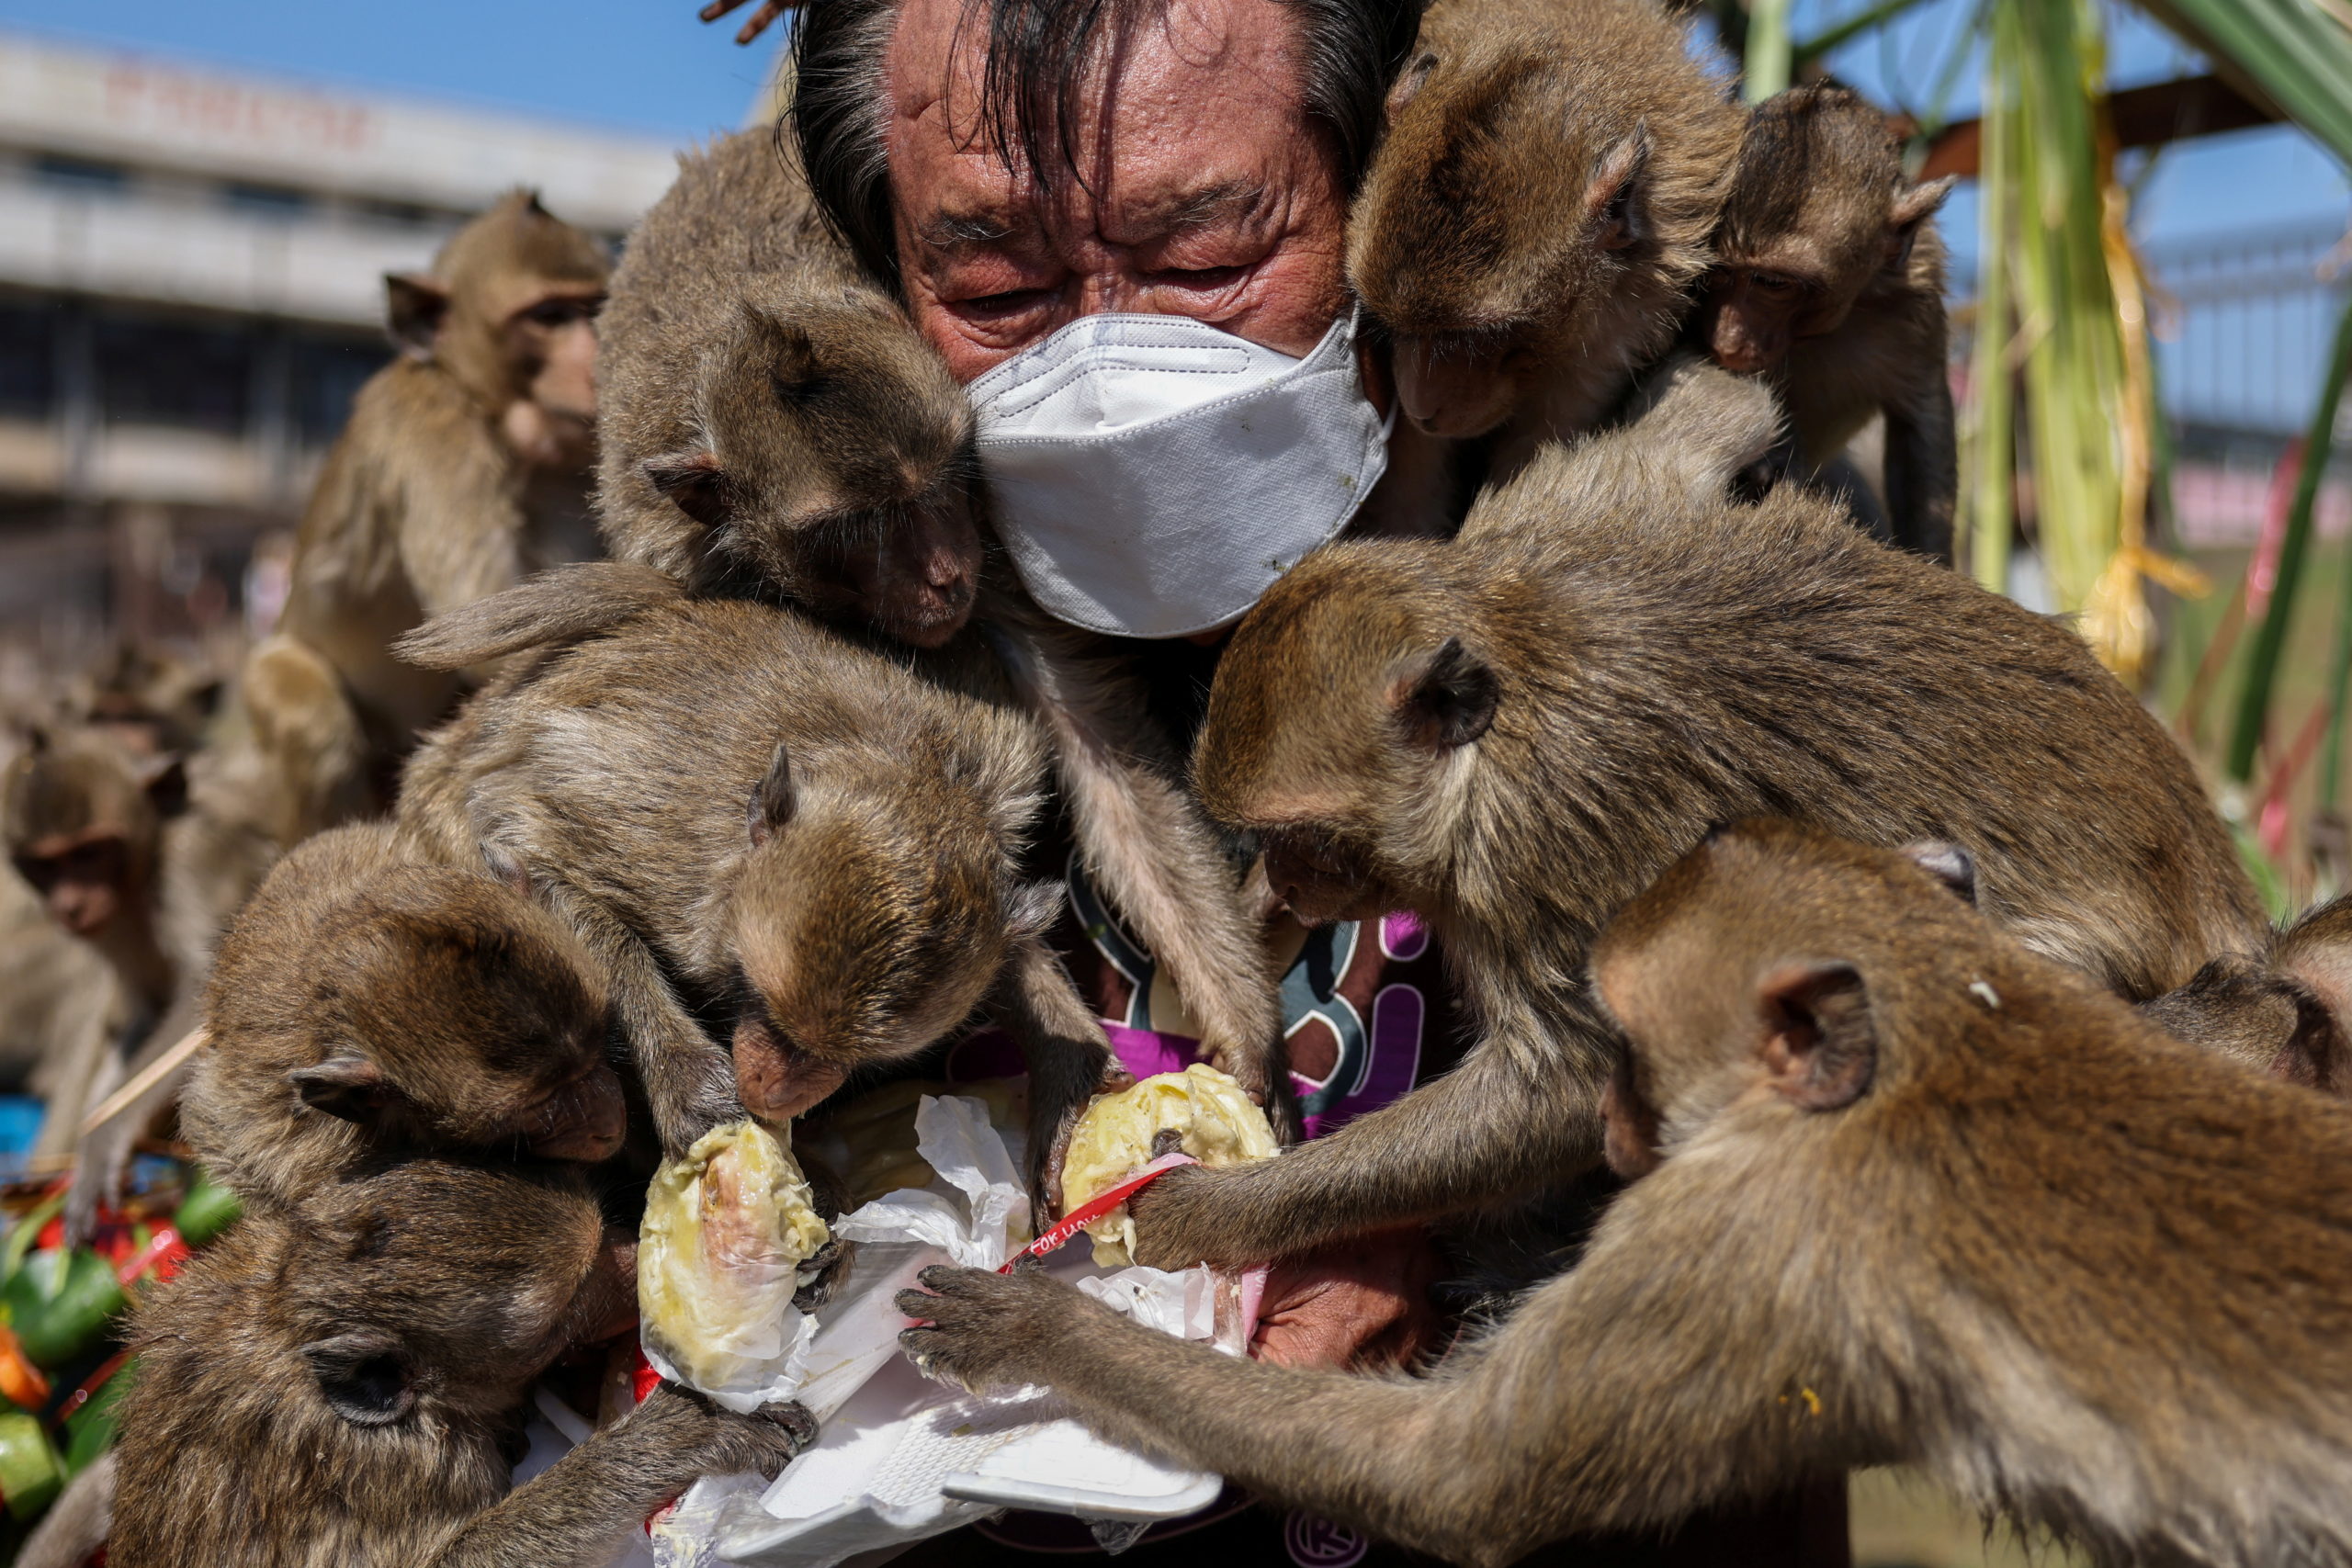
(1314, 1542)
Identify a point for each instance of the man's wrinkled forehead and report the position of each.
(1137, 164)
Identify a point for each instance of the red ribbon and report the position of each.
(1094, 1208)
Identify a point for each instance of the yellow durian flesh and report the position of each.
(1219, 1124)
(725, 1232)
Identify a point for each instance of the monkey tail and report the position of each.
(556, 606)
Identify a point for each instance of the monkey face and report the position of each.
(837, 466)
(1322, 880)
(83, 880)
(1458, 386)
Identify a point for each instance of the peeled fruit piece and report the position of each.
(1219, 1125)
(726, 1230)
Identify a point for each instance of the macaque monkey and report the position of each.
(1533, 226)
(146, 860)
(1515, 731)
(349, 1386)
(152, 703)
(1140, 837)
(1829, 282)
(1907, 1192)
(464, 466)
(2287, 1011)
(365, 1008)
(773, 424)
(751, 820)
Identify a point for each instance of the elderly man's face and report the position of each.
(1212, 195)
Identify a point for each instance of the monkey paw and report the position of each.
(766, 1440)
(822, 1271)
(978, 1329)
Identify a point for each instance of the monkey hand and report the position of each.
(768, 11)
(718, 1441)
(820, 1272)
(978, 1329)
(1053, 1117)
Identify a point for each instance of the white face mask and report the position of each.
(1153, 476)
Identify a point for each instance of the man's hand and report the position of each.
(768, 11)
(1360, 1304)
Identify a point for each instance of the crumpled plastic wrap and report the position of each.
(891, 1441)
(1219, 1125)
(719, 1258)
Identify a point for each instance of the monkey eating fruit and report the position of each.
(1900, 1180)
(1199, 1111)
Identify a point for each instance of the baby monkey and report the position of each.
(366, 1007)
(349, 1386)
(1829, 282)
(771, 423)
(1899, 1181)
(1533, 224)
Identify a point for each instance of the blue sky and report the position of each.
(647, 66)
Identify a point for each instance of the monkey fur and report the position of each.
(2287, 1011)
(750, 819)
(1829, 281)
(1538, 215)
(348, 1387)
(462, 468)
(771, 421)
(1908, 1193)
(1515, 731)
(145, 859)
(365, 1008)
(1140, 837)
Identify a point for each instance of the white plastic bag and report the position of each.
(897, 1449)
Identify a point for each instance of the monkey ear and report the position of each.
(415, 308)
(346, 1085)
(693, 482)
(1614, 195)
(772, 798)
(1948, 863)
(1449, 701)
(361, 1378)
(165, 781)
(1820, 1048)
(1032, 908)
(1409, 82)
(1912, 208)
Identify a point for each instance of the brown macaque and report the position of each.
(1513, 733)
(349, 1386)
(367, 1008)
(146, 860)
(1908, 1193)
(1142, 841)
(2287, 1013)
(1532, 229)
(773, 423)
(152, 703)
(1829, 282)
(464, 465)
(73, 1533)
(753, 821)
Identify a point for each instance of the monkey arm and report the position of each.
(588, 1499)
(1156, 856)
(462, 526)
(689, 1080)
(1693, 1357)
(1922, 464)
(1069, 1057)
(1509, 1118)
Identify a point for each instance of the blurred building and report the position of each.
(191, 287)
